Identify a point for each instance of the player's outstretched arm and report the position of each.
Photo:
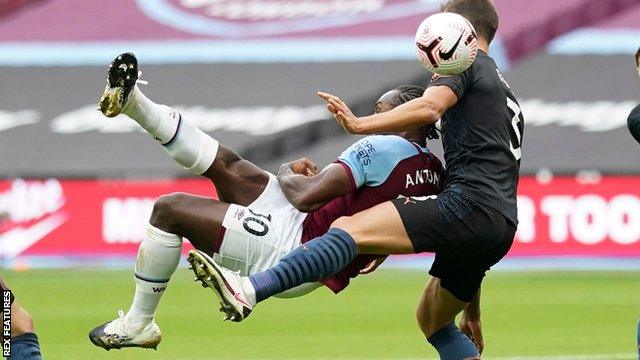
(415, 113)
(307, 190)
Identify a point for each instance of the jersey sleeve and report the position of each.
(457, 83)
(371, 160)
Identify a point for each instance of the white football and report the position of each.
(446, 43)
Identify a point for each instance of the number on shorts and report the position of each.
(256, 225)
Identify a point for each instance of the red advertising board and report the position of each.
(81, 217)
(567, 216)
(53, 217)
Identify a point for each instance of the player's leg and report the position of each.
(436, 315)
(467, 241)
(24, 341)
(237, 180)
(173, 218)
(378, 230)
(21, 321)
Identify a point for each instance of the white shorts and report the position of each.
(257, 236)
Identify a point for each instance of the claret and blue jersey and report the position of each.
(376, 161)
(382, 168)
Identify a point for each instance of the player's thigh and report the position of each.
(257, 237)
(197, 218)
(378, 230)
(437, 307)
(237, 180)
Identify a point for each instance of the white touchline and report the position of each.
(569, 357)
(628, 356)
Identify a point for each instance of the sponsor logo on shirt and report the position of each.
(364, 149)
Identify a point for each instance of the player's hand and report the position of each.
(341, 113)
(373, 265)
(472, 327)
(304, 167)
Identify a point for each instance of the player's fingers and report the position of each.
(339, 121)
(311, 169)
(326, 96)
(336, 105)
(331, 108)
(313, 166)
(369, 268)
(323, 95)
(343, 121)
(348, 124)
(342, 104)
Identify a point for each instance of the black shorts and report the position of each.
(467, 238)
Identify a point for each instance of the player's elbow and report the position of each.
(428, 112)
(430, 116)
(433, 113)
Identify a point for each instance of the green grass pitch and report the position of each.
(524, 314)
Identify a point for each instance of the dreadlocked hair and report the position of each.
(407, 93)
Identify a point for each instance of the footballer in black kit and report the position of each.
(471, 224)
(633, 121)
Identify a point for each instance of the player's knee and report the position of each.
(223, 160)
(166, 210)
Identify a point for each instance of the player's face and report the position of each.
(385, 102)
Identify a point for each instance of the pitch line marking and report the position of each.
(628, 356)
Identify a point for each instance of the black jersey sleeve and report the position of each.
(634, 123)
(457, 83)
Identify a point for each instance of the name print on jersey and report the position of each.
(422, 176)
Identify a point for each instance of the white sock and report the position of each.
(160, 121)
(249, 291)
(182, 140)
(158, 258)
